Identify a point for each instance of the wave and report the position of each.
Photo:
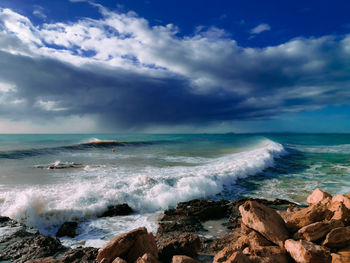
(89, 192)
(94, 144)
(341, 148)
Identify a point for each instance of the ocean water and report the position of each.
(155, 172)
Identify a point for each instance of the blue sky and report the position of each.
(174, 66)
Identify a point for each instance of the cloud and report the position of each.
(128, 75)
(39, 12)
(260, 28)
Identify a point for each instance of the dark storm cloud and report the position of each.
(139, 76)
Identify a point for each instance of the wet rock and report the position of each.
(67, 229)
(307, 216)
(117, 210)
(338, 237)
(318, 196)
(120, 245)
(30, 247)
(264, 220)
(183, 259)
(303, 251)
(235, 257)
(181, 225)
(79, 255)
(342, 198)
(318, 230)
(184, 244)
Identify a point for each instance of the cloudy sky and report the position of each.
(174, 66)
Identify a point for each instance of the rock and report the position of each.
(343, 199)
(185, 244)
(143, 244)
(344, 251)
(318, 196)
(341, 212)
(268, 254)
(307, 216)
(235, 257)
(67, 229)
(229, 239)
(119, 245)
(318, 230)
(30, 247)
(264, 220)
(307, 252)
(147, 258)
(120, 260)
(338, 237)
(337, 258)
(117, 210)
(183, 259)
(181, 225)
(79, 255)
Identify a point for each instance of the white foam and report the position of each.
(87, 192)
(341, 148)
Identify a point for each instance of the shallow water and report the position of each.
(155, 172)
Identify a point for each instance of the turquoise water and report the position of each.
(154, 172)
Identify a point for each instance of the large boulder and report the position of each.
(184, 244)
(307, 216)
(318, 230)
(130, 245)
(338, 237)
(318, 196)
(340, 211)
(117, 210)
(264, 220)
(303, 251)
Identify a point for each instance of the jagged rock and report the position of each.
(181, 225)
(79, 255)
(318, 196)
(119, 245)
(117, 210)
(267, 254)
(318, 230)
(44, 260)
(30, 247)
(307, 216)
(184, 244)
(235, 257)
(341, 198)
(183, 259)
(147, 258)
(67, 229)
(143, 244)
(264, 220)
(303, 251)
(344, 251)
(337, 258)
(338, 237)
(341, 212)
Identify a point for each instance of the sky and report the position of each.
(78, 66)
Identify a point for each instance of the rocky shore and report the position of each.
(256, 231)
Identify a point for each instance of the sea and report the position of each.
(48, 179)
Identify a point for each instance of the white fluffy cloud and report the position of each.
(260, 28)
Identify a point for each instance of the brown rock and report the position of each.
(343, 199)
(183, 259)
(44, 260)
(307, 252)
(264, 220)
(344, 251)
(318, 230)
(268, 254)
(119, 260)
(341, 212)
(147, 258)
(119, 245)
(338, 237)
(337, 258)
(236, 257)
(307, 216)
(144, 244)
(184, 244)
(318, 196)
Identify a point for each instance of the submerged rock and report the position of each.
(67, 229)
